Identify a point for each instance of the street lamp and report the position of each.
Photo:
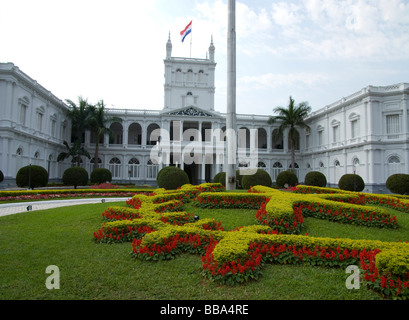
(29, 175)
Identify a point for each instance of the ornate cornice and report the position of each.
(191, 112)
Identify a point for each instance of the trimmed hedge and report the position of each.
(398, 183)
(260, 178)
(37, 176)
(351, 182)
(220, 178)
(101, 175)
(316, 179)
(288, 178)
(75, 176)
(171, 178)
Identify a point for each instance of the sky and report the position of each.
(317, 51)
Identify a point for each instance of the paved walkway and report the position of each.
(13, 208)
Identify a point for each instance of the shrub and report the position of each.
(351, 182)
(260, 178)
(286, 179)
(37, 176)
(316, 179)
(101, 175)
(398, 183)
(1, 176)
(75, 176)
(171, 178)
(220, 178)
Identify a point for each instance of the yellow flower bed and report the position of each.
(237, 256)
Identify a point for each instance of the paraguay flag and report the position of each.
(184, 33)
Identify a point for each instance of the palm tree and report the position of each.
(99, 121)
(78, 116)
(290, 118)
(76, 151)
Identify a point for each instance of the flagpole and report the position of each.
(191, 37)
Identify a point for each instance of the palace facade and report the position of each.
(366, 132)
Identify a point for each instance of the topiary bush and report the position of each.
(398, 183)
(36, 175)
(316, 179)
(220, 178)
(260, 178)
(75, 176)
(286, 179)
(1, 176)
(171, 178)
(101, 175)
(351, 182)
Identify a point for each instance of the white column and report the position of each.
(405, 107)
(125, 130)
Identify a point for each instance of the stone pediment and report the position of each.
(191, 112)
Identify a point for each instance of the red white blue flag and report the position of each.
(184, 33)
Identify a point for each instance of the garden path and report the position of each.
(13, 208)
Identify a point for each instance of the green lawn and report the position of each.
(29, 242)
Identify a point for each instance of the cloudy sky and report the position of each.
(313, 50)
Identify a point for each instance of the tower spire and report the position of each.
(169, 48)
(211, 50)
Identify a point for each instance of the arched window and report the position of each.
(190, 75)
(115, 167)
(277, 168)
(115, 161)
(277, 140)
(295, 166)
(19, 152)
(394, 159)
(261, 165)
(151, 170)
(355, 162)
(93, 160)
(178, 75)
(135, 134)
(152, 134)
(117, 133)
(262, 138)
(201, 76)
(321, 164)
(394, 165)
(134, 168)
(337, 163)
(134, 161)
(277, 165)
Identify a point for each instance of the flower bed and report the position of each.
(285, 210)
(396, 202)
(238, 256)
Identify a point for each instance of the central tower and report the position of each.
(189, 82)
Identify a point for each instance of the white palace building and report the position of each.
(366, 132)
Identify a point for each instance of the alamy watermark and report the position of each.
(352, 282)
(190, 147)
(52, 281)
